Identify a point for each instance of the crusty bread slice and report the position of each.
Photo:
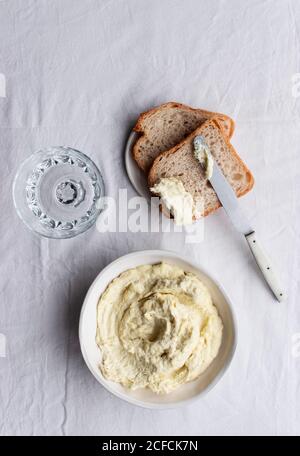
(180, 162)
(163, 127)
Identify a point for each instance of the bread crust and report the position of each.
(152, 176)
(139, 128)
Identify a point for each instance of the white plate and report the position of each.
(144, 397)
(135, 174)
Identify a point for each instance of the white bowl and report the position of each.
(145, 397)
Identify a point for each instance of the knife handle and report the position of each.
(265, 265)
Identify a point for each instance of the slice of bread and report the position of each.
(163, 127)
(180, 162)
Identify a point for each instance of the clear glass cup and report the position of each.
(57, 192)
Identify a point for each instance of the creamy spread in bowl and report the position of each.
(157, 327)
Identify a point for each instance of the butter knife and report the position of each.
(231, 206)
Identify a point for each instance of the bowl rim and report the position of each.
(138, 402)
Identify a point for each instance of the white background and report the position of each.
(78, 73)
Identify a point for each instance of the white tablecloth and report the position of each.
(78, 73)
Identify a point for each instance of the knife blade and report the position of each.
(235, 213)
